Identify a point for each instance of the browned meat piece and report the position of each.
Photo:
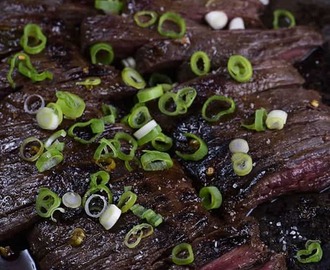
(290, 44)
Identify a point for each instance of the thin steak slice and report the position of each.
(289, 44)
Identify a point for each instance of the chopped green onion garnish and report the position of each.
(242, 163)
(280, 15)
(109, 6)
(94, 209)
(110, 113)
(47, 202)
(122, 136)
(148, 132)
(199, 154)
(49, 159)
(239, 146)
(145, 18)
(33, 103)
(107, 148)
(139, 116)
(312, 254)
(31, 149)
(53, 142)
(134, 236)
(90, 82)
(217, 116)
(186, 96)
(183, 248)
(132, 78)
(259, 119)
(132, 164)
(200, 63)
(276, 119)
(110, 216)
(71, 200)
(126, 201)
(162, 142)
(150, 215)
(173, 18)
(100, 178)
(33, 40)
(240, 68)
(211, 197)
(97, 189)
(71, 105)
(49, 118)
(96, 126)
(101, 53)
(148, 94)
(168, 104)
(156, 161)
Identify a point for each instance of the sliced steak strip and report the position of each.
(196, 9)
(291, 160)
(170, 194)
(254, 44)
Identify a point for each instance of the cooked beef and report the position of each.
(290, 44)
(294, 159)
(196, 9)
(288, 222)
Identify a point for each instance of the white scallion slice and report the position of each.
(140, 133)
(238, 146)
(48, 119)
(110, 216)
(88, 208)
(33, 103)
(276, 119)
(71, 200)
(216, 19)
(129, 62)
(236, 23)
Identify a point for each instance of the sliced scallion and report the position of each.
(126, 201)
(100, 178)
(139, 116)
(46, 202)
(148, 94)
(110, 113)
(150, 215)
(312, 254)
(31, 149)
(281, 15)
(71, 105)
(134, 236)
(240, 68)
(33, 103)
(200, 63)
(109, 6)
(186, 96)
(71, 200)
(110, 216)
(96, 126)
(242, 163)
(145, 18)
(238, 145)
(132, 78)
(53, 142)
(90, 82)
(276, 119)
(49, 159)
(156, 161)
(33, 40)
(93, 209)
(101, 53)
(122, 136)
(175, 19)
(218, 98)
(199, 154)
(259, 119)
(211, 197)
(162, 142)
(183, 248)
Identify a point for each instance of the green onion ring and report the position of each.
(49, 159)
(312, 254)
(128, 138)
(195, 58)
(100, 178)
(33, 31)
(259, 120)
(239, 68)
(134, 236)
(109, 6)
(242, 163)
(186, 96)
(102, 151)
(96, 189)
(132, 164)
(52, 141)
(148, 94)
(183, 247)
(96, 126)
(156, 161)
(101, 48)
(132, 78)
(24, 145)
(150, 135)
(46, 202)
(162, 142)
(71, 105)
(145, 13)
(199, 154)
(211, 197)
(278, 13)
(126, 201)
(180, 106)
(90, 82)
(150, 215)
(216, 117)
(139, 116)
(110, 113)
(174, 18)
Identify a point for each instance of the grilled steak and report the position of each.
(252, 228)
